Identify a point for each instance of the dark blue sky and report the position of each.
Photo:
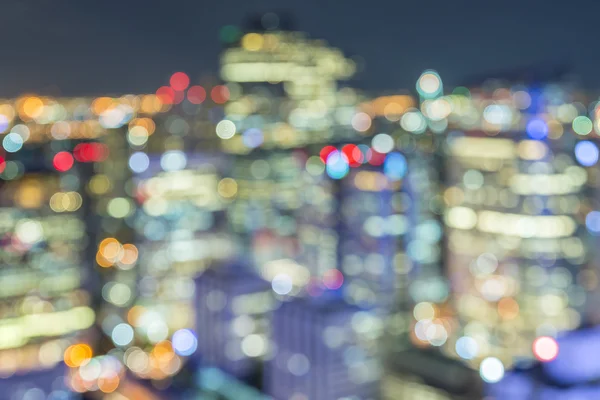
(80, 47)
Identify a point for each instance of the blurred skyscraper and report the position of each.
(180, 231)
(283, 95)
(515, 256)
(233, 307)
(47, 282)
(371, 233)
(410, 149)
(325, 349)
(161, 201)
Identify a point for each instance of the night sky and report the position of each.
(85, 47)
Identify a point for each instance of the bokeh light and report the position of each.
(179, 81)
(491, 370)
(63, 161)
(184, 342)
(586, 153)
(196, 94)
(545, 348)
(537, 129)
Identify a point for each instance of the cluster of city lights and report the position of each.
(464, 222)
(180, 89)
(338, 162)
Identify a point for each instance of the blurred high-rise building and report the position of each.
(179, 233)
(283, 95)
(515, 188)
(350, 223)
(48, 284)
(233, 307)
(325, 350)
(409, 146)
(161, 200)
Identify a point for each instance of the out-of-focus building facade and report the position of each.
(374, 230)
(235, 304)
(516, 258)
(161, 202)
(325, 350)
(47, 283)
(409, 146)
(284, 95)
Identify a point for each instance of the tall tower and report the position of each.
(283, 96)
(173, 228)
(47, 284)
(418, 267)
(516, 257)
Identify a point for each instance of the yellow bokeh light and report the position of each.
(30, 195)
(77, 354)
(163, 352)
(252, 41)
(103, 262)
(99, 184)
(32, 107)
(110, 249)
(146, 123)
(424, 311)
(393, 111)
(101, 104)
(151, 104)
(65, 201)
(227, 188)
(137, 135)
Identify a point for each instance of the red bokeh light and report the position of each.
(376, 158)
(179, 81)
(90, 152)
(2, 164)
(63, 161)
(166, 94)
(219, 94)
(325, 152)
(196, 94)
(353, 154)
(333, 279)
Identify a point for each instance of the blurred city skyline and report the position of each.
(314, 201)
(71, 48)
